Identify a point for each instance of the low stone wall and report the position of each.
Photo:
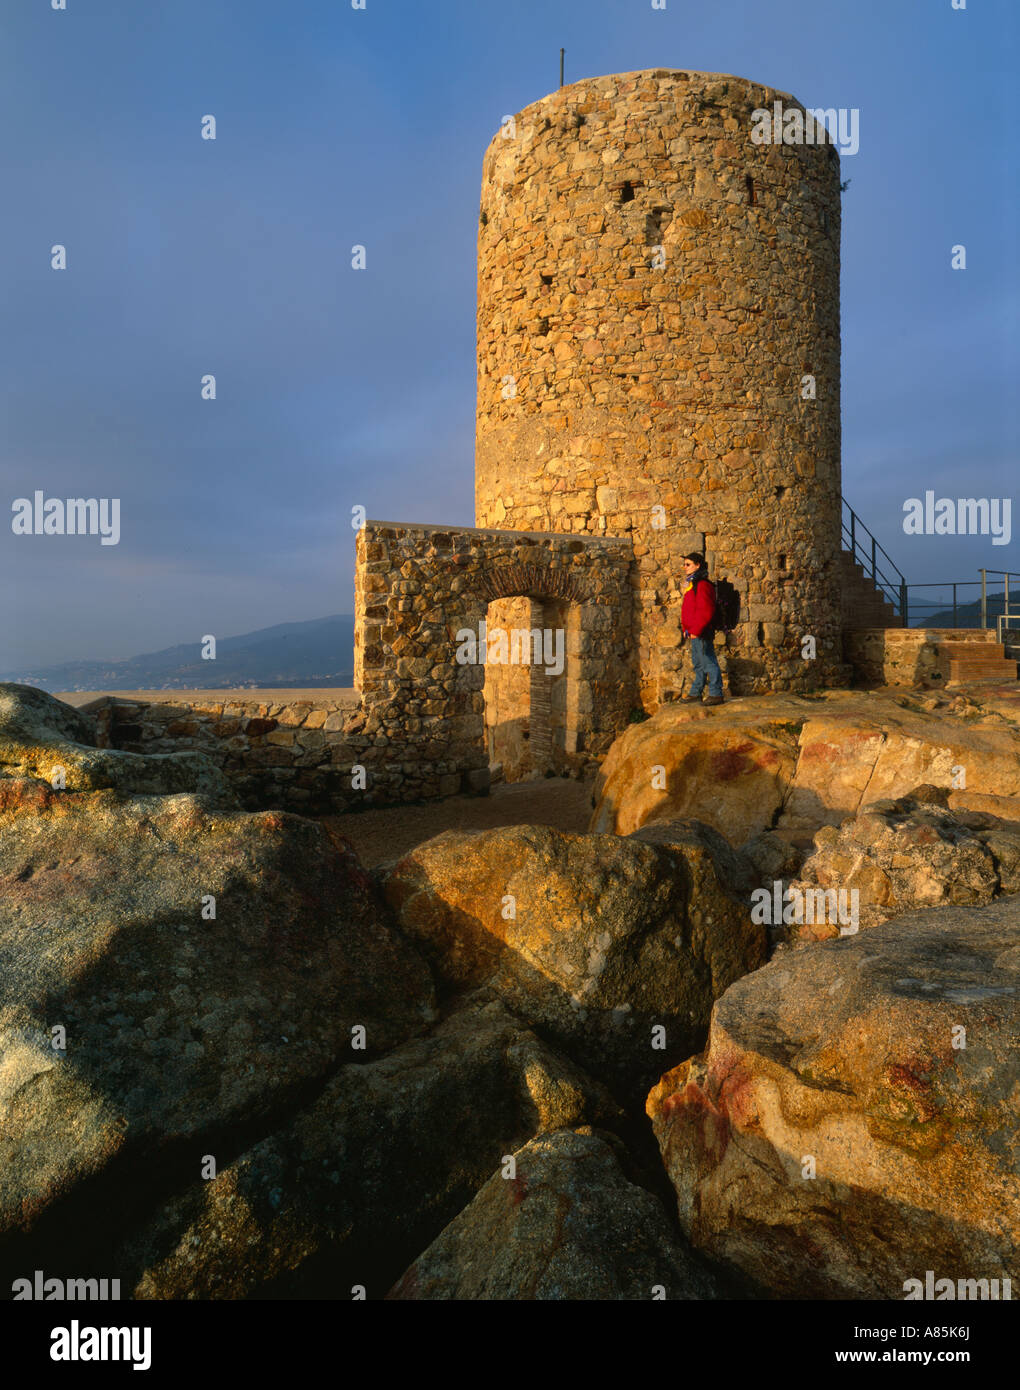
(290, 750)
(908, 656)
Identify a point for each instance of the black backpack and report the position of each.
(727, 607)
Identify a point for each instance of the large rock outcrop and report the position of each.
(364, 1178)
(794, 763)
(169, 971)
(43, 740)
(595, 940)
(852, 1123)
(709, 856)
(910, 853)
(567, 1225)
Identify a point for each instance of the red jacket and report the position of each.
(698, 607)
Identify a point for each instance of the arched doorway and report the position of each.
(422, 604)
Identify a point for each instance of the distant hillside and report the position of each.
(967, 614)
(315, 653)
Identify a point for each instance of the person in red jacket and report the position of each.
(697, 615)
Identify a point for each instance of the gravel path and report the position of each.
(561, 802)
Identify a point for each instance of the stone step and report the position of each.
(865, 591)
(967, 674)
(975, 663)
(972, 653)
(855, 584)
(862, 604)
(865, 618)
(854, 574)
(968, 637)
(868, 601)
(993, 668)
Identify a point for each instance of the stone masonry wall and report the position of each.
(294, 755)
(912, 656)
(417, 587)
(652, 289)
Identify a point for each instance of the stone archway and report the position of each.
(517, 578)
(420, 589)
(539, 704)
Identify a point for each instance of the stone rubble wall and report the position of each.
(608, 385)
(290, 756)
(905, 656)
(418, 586)
(416, 724)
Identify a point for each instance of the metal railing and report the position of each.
(891, 584)
(911, 607)
(865, 549)
(1001, 619)
(950, 607)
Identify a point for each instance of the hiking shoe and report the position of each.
(714, 700)
(690, 699)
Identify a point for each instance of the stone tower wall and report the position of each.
(615, 378)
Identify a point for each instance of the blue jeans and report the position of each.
(705, 666)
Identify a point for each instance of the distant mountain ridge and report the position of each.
(967, 614)
(316, 653)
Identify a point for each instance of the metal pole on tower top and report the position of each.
(562, 51)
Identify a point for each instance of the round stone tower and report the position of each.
(658, 354)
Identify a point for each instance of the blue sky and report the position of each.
(338, 387)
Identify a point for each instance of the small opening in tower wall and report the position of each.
(654, 223)
(780, 492)
(782, 562)
(751, 195)
(627, 192)
(761, 634)
(546, 279)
